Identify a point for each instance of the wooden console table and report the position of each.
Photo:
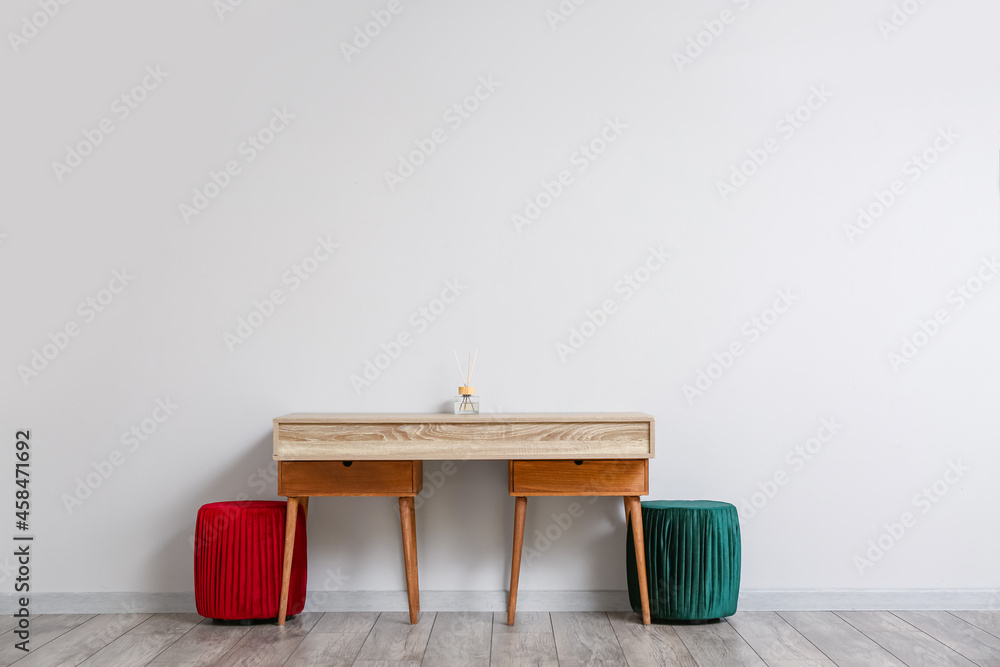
(549, 454)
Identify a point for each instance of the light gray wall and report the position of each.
(879, 97)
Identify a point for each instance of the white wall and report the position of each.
(656, 186)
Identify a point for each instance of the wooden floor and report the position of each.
(467, 639)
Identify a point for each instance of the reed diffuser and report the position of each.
(466, 403)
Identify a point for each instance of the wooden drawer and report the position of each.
(350, 478)
(601, 477)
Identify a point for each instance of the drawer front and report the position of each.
(607, 477)
(350, 478)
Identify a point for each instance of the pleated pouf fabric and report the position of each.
(239, 547)
(692, 560)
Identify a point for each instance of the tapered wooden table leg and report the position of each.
(520, 509)
(291, 514)
(625, 498)
(413, 531)
(635, 512)
(305, 507)
(408, 523)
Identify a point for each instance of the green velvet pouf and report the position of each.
(692, 560)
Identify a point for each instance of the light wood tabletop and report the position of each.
(443, 437)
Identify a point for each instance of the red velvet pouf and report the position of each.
(238, 554)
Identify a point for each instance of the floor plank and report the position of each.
(334, 641)
(903, 640)
(83, 641)
(840, 641)
(205, 644)
(916, 649)
(528, 643)
(8, 623)
(876, 621)
(954, 633)
(346, 622)
(393, 639)
(649, 645)
(167, 624)
(268, 645)
(586, 637)
(43, 630)
(717, 645)
(774, 640)
(524, 621)
(460, 638)
(986, 620)
(322, 649)
(131, 649)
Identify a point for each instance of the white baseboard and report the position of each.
(101, 603)
(468, 601)
(868, 600)
(750, 600)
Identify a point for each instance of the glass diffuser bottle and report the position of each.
(466, 403)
